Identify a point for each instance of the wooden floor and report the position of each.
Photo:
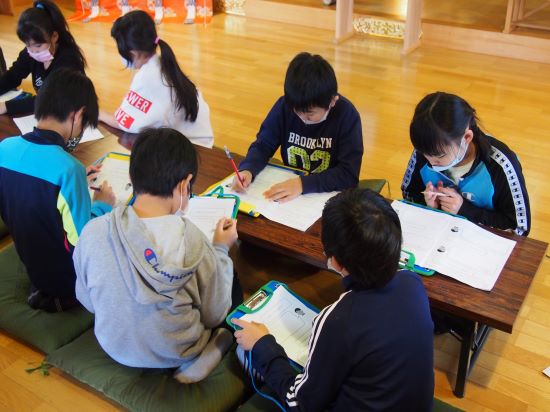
(239, 64)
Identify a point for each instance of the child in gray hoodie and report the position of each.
(157, 286)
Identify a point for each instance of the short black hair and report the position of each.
(362, 231)
(309, 82)
(161, 158)
(66, 91)
(439, 120)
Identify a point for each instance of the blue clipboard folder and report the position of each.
(258, 301)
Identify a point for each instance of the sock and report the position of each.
(200, 367)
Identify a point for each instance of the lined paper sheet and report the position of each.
(12, 94)
(289, 320)
(453, 246)
(28, 123)
(116, 172)
(299, 213)
(205, 212)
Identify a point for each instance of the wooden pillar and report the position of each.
(413, 26)
(344, 20)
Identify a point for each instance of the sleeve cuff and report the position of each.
(100, 208)
(265, 350)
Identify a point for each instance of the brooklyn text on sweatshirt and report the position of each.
(331, 151)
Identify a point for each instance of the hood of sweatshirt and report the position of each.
(153, 279)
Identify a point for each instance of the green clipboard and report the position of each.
(257, 302)
(407, 261)
(218, 192)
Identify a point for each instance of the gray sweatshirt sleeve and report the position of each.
(79, 259)
(215, 279)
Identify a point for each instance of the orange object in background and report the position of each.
(175, 11)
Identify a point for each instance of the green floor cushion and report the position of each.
(45, 331)
(150, 389)
(258, 403)
(3, 229)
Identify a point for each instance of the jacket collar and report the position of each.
(45, 137)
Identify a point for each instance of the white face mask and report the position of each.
(310, 122)
(458, 158)
(127, 63)
(180, 211)
(330, 267)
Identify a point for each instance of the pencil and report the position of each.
(228, 154)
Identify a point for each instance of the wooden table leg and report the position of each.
(509, 16)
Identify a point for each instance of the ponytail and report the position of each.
(40, 21)
(184, 92)
(136, 31)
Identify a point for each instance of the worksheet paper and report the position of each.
(205, 212)
(289, 320)
(116, 172)
(453, 246)
(28, 123)
(299, 213)
(12, 94)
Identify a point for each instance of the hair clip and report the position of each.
(39, 6)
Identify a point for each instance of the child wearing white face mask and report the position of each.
(49, 46)
(459, 169)
(159, 289)
(316, 129)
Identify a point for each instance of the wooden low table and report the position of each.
(304, 272)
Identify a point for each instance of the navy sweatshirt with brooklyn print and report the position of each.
(331, 151)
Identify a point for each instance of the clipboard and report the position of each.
(246, 207)
(218, 193)
(259, 300)
(123, 157)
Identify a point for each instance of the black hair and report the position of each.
(309, 82)
(137, 31)
(66, 91)
(161, 158)
(38, 23)
(441, 119)
(362, 231)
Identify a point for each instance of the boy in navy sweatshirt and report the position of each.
(317, 129)
(372, 349)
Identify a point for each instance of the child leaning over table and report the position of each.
(317, 130)
(372, 349)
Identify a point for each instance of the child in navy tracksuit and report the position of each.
(457, 168)
(373, 348)
(317, 130)
(44, 197)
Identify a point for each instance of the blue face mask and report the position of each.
(458, 158)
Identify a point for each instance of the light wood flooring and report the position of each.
(239, 65)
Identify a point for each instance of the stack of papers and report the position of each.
(115, 170)
(205, 212)
(299, 213)
(453, 246)
(28, 123)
